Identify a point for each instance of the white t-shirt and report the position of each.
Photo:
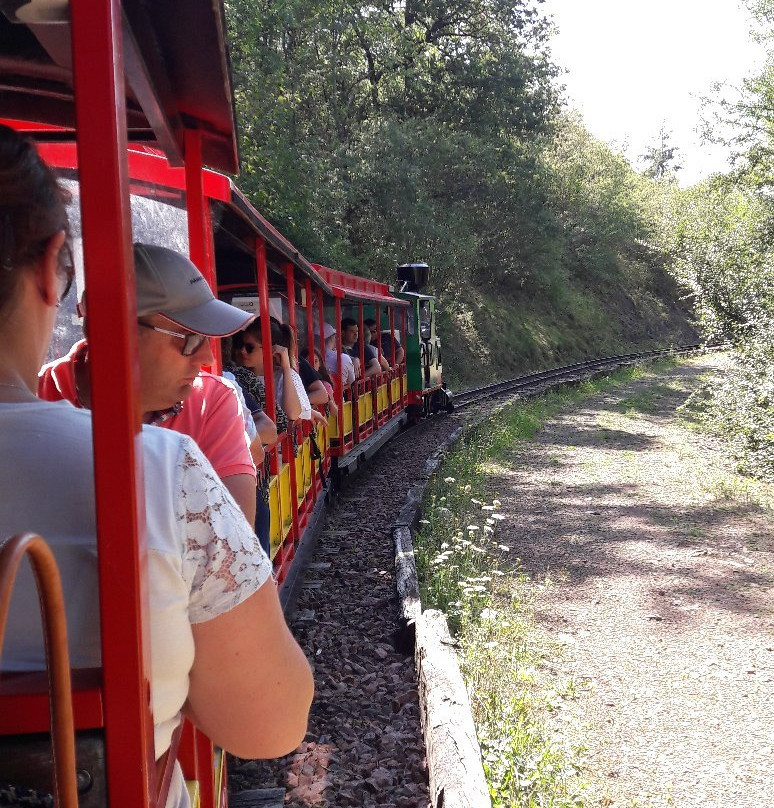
(303, 398)
(347, 368)
(203, 557)
(250, 427)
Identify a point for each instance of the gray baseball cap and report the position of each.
(169, 284)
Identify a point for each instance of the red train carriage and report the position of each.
(135, 163)
(101, 73)
(373, 409)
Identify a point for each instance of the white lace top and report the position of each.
(203, 558)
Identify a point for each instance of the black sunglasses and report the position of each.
(248, 349)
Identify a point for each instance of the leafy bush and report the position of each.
(723, 254)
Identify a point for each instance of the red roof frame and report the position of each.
(353, 287)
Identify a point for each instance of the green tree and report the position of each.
(661, 158)
(724, 256)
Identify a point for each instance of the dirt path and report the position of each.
(654, 570)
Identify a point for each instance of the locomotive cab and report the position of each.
(427, 391)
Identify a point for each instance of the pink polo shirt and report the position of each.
(211, 414)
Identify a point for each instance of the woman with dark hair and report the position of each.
(288, 387)
(218, 638)
(318, 363)
(254, 391)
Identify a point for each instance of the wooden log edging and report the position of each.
(456, 775)
(455, 771)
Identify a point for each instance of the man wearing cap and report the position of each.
(176, 313)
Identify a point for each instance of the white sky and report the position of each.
(635, 65)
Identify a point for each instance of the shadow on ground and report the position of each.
(577, 533)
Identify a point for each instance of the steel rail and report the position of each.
(570, 373)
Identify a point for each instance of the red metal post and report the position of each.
(205, 770)
(291, 292)
(268, 364)
(122, 556)
(309, 319)
(379, 332)
(196, 205)
(360, 337)
(340, 380)
(263, 303)
(392, 335)
(321, 310)
(198, 219)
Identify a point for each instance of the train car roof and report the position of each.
(176, 66)
(356, 288)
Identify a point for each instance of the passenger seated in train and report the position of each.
(310, 379)
(349, 341)
(348, 374)
(316, 361)
(173, 345)
(386, 340)
(219, 642)
(369, 332)
(288, 387)
(266, 437)
(254, 386)
(260, 429)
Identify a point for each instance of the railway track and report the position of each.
(567, 374)
(364, 746)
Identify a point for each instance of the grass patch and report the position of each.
(728, 487)
(466, 571)
(647, 401)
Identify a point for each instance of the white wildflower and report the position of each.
(498, 516)
(488, 614)
(449, 480)
(472, 528)
(467, 489)
(504, 548)
(496, 503)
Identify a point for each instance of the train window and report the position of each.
(424, 319)
(411, 325)
(158, 217)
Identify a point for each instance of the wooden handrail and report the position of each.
(52, 611)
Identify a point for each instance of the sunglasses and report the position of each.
(191, 342)
(248, 349)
